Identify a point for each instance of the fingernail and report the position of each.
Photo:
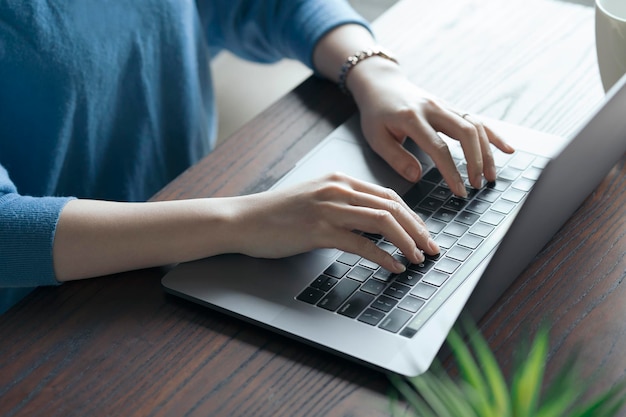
(462, 191)
(419, 255)
(478, 179)
(399, 267)
(412, 174)
(433, 246)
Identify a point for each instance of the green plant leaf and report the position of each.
(471, 373)
(405, 388)
(457, 398)
(528, 378)
(483, 392)
(562, 392)
(499, 398)
(607, 404)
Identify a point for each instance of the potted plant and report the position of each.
(482, 391)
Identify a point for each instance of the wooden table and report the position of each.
(119, 346)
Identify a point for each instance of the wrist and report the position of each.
(362, 62)
(371, 77)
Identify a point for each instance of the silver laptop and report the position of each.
(351, 307)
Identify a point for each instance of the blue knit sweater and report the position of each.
(113, 99)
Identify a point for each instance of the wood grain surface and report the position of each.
(119, 346)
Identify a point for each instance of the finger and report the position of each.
(488, 162)
(461, 128)
(383, 192)
(362, 246)
(378, 221)
(383, 198)
(498, 141)
(388, 147)
(428, 139)
(391, 216)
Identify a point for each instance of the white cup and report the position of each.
(611, 40)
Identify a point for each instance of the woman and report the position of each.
(103, 103)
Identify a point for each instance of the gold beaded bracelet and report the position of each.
(353, 60)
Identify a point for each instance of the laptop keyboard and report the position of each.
(466, 230)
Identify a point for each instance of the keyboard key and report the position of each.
(434, 257)
(470, 241)
(373, 286)
(521, 161)
(509, 174)
(467, 217)
(338, 295)
(368, 264)
(513, 195)
(349, 258)
(481, 229)
(387, 247)
(430, 204)
(423, 290)
(397, 290)
(411, 304)
(489, 195)
(310, 295)
(337, 270)
(435, 226)
(441, 193)
(524, 184)
(324, 283)
(478, 206)
(356, 304)
(417, 193)
(423, 267)
(492, 218)
(459, 253)
(502, 206)
(384, 303)
(471, 191)
(447, 265)
(409, 278)
(436, 278)
(395, 320)
(455, 203)
(360, 274)
(444, 215)
(445, 241)
(501, 158)
(456, 229)
(383, 275)
(371, 316)
(401, 258)
(408, 332)
(499, 185)
(540, 162)
(424, 214)
(532, 175)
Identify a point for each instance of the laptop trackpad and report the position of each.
(342, 154)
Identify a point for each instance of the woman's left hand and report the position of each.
(393, 109)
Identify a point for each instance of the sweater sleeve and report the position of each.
(27, 227)
(269, 30)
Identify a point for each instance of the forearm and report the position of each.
(96, 238)
(335, 47)
(332, 50)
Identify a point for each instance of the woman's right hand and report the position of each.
(324, 213)
(95, 238)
